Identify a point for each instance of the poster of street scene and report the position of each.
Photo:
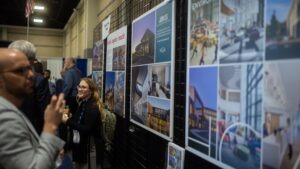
(282, 29)
(241, 31)
(175, 156)
(98, 55)
(281, 124)
(239, 116)
(202, 110)
(203, 32)
(109, 90)
(115, 70)
(152, 70)
(97, 76)
(119, 93)
(119, 56)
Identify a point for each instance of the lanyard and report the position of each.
(80, 117)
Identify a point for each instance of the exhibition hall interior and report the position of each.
(183, 84)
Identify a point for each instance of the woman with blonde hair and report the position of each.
(86, 125)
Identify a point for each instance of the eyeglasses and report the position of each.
(21, 70)
(82, 87)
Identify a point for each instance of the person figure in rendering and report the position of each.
(35, 104)
(289, 137)
(21, 146)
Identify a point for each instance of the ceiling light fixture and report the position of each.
(38, 20)
(39, 7)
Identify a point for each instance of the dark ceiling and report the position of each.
(55, 15)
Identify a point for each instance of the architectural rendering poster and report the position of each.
(241, 31)
(115, 71)
(98, 56)
(243, 100)
(98, 78)
(175, 156)
(282, 30)
(152, 70)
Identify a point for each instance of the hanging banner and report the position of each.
(105, 27)
(152, 58)
(116, 71)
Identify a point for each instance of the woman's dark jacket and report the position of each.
(89, 126)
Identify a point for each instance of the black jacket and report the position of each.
(35, 104)
(88, 123)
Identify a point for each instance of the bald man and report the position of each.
(20, 145)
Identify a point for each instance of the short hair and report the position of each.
(48, 70)
(24, 46)
(38, 67)
(72, 59)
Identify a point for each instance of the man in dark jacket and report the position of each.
(71, 77)
(35, 104)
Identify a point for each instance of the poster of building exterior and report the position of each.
(282, 29)
(98, 56)
(97, 76)
(243, 110)
(152, 57)
(175, 156)
(241, 31)
(116, 71)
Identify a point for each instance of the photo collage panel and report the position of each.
(242, 103)
(152, 67)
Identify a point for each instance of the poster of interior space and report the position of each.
(152, 57)
(243, 83)
(175, 156)
(97, 65)
(115, 71)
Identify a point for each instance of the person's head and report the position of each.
(69, 62)
(26, 47)
(47, 74)
(38, 67)
(87, 88)
(16, 75)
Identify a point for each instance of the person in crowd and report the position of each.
(47, 75)
(71, 76)
(35, 104)
(21, 146)
(86, 124)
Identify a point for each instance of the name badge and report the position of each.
(76, 136)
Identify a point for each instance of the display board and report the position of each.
(243, 99)
(175, 156)
(97, 65)
(116, 71)
(152, 60)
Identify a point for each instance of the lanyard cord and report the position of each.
(81, 114)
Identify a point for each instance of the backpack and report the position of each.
(108, 129)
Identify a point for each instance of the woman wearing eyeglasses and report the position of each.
(86, 125)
